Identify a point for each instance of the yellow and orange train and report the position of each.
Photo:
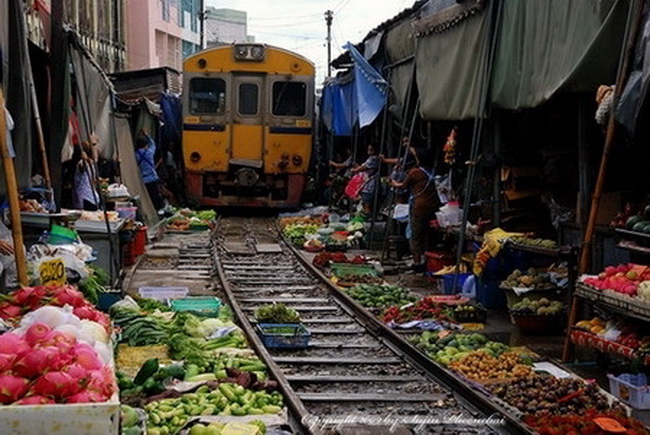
(247, 125)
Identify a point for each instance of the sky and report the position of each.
(299, 25)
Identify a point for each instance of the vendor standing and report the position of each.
(423, 201)
(144, 155)
(371, 169)
(86, 196)
(402, 165)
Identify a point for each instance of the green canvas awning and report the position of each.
(550, 45)
(450, 61)
(543, 46)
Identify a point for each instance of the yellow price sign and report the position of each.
(52, 272)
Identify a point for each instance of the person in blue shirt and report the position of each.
(144, 155)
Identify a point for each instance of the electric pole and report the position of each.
(328, 19)
(202, 17)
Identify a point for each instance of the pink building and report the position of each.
(161, 32)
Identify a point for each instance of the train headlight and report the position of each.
(195, 157)
(297, 160)
(257, 52)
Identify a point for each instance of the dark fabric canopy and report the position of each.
(551, 45)
(450, 64)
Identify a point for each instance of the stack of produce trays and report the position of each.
(280, 327)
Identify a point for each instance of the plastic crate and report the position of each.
(163, 293)
(201, 306)
(296, 338)
(631, 389)
(478, 315)
(437, 260)
(448, 283)
(489, 294)
(342, 269)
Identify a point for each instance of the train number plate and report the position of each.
(303, 123)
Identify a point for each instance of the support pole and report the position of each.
(12, 196)
(635, 15)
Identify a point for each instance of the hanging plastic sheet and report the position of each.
(450, 61)
(4, 44)
(93, 102)
(130, 172)
(550, 45)
(339, 107)
(17, 93)
(370, 88)
(636, 89)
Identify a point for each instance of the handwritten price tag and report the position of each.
(52, 272)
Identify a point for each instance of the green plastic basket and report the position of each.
(343, 269)
(201, 306)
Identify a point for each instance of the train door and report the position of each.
(248, 121)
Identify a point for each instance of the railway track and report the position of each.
(354, 371)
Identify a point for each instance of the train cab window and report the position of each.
(289, 98)
(248, 98)
(207, 96)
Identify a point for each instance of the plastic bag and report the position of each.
(355, 185)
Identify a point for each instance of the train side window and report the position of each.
(289, 98)
(207, 96)
(248, 98)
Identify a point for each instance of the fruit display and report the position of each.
(639, 223)
(533, 242)
(299, 220)
(547, 395)
(534, 279)
(479, 365)
(323, 259)
(624, 279)
(380, 296)
(465, 313)
(540, 307)
(47, 366)
(592, 422)
(276, 313)
(445, 347)
(424, 309)
(170, 414)
(131, 420)
(616, 331)
(296, 232)
(26, 299)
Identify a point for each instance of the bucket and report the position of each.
(437, 260)
(448, 283)
(128, 254)
(67, 235)
(140, 240)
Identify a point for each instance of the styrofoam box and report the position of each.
(78, 419)
(163, 293)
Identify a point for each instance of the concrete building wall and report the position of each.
(161, 32)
